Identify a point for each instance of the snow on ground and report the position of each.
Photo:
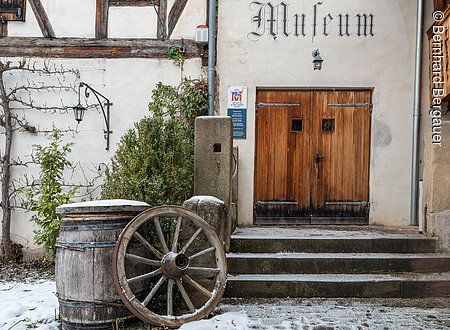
(28, 305)
(226, 321)
(34, 305)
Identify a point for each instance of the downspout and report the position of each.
(211, 55)
(416, 117)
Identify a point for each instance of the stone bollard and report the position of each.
(214, 212)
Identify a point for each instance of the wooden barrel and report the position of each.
(83, 270)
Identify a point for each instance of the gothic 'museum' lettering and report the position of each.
(278, 19)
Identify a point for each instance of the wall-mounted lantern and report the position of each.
(317, 60)
(79, 110)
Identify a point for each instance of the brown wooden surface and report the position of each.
(282, 172)
(445, 71)
(343, 175)
(134, 3)
(285, 167)
(144, 309)
(101, 19)
(9, 12)
(92, 48)
(3, 30)
(162, 25)
(42, 19)
(440, 4)
(175, 14)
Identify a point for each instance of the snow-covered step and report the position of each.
(313, 240)
(339, 285)
(301, 263)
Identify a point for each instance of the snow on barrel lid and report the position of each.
(103, 206)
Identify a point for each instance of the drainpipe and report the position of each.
(416, 116)
(211, 55)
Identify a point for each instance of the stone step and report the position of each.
(330, 245)
(320, 240)
(403, 285)
(315, 263)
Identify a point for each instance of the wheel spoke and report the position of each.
(160, 235)
(212, 271)
(185, 247)
(145, 276)
(197, 286)
(170, 297)
(202, 252)
(185, 296)
(153, 291)
(157, 254)
(143, 260)
(175, 236)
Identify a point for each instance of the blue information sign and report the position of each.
(239, 117)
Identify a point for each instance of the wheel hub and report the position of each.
(174, 264)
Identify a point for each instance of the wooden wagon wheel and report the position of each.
(178, 266)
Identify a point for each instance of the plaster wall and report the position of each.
(383, 62)
(126, 82)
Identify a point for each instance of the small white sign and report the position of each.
(237, 97)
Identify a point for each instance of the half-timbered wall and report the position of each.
(120, 50)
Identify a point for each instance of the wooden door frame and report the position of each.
(285, 221)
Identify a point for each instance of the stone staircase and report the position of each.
(336, 262)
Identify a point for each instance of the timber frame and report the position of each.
(101, 46)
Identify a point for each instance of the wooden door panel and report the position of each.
(282, 162)
(288, 184)
(342, 179)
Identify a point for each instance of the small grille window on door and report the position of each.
(297, 125)
(327, 125)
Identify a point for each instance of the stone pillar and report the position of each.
(212, 164)
(436, 181)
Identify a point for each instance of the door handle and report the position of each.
(317, 158)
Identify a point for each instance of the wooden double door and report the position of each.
(312, 157)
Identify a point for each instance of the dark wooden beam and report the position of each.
(162, 20)
(175, 14)
(133, 3)
(42, 19)
(440, 4)
(101, 19)
(3, 30)
(92, 48)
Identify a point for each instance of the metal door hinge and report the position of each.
(364, 105)
(277, 202)
(355, 203)
(265, 105)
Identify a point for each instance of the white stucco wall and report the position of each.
(127, 82)
(384, 62)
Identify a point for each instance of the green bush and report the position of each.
(155, 159)
(45, 197)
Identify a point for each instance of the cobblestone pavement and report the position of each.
(429, 313)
